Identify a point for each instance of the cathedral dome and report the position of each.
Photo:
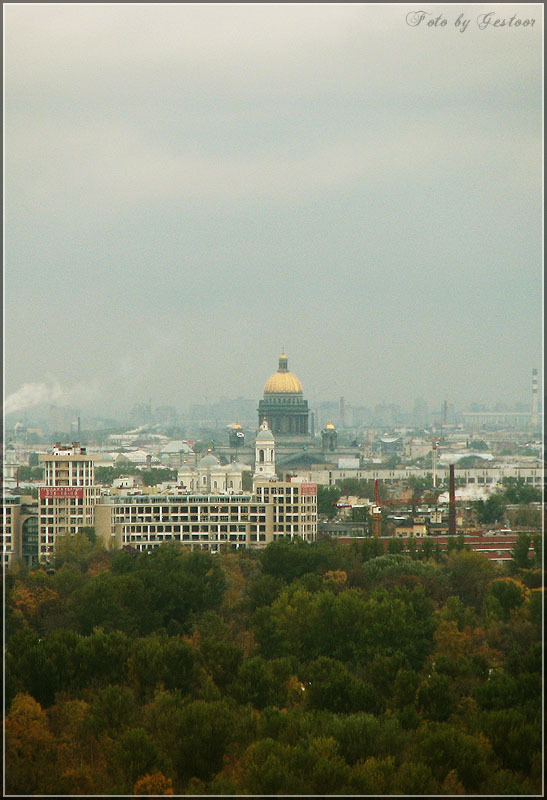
(283, 381)
(209, 461)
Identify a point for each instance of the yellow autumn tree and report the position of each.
(30, 748)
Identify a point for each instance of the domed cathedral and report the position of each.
(283, 406)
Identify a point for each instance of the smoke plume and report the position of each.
(33, 394)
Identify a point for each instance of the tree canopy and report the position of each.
(322, 668)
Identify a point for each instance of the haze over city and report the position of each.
(190, 189)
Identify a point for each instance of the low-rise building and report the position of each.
(497, 547)
(210, 476)
(529, 471)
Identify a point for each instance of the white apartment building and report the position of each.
(68, 499)
(210, 522)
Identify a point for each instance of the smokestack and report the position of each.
(452, 506)
(376, 511)
(342, 412)
(445, 412)
(534, 420)
(79, 427)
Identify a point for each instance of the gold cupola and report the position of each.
(283, 381)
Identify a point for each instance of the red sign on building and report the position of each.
(61, 491)
(308, 488)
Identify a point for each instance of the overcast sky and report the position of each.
(190, 188)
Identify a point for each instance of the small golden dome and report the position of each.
(283, 383)
(329, 427)
(236, 426)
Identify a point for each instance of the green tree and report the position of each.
(516, 490)
(133, 755)
(373, 777)
(444, 748)
(520, 552)
(202, 735)
(514, 738)
(263, 683)
(470, 575)
(111, 709)
(153, 477)
(477, 445)
(76, 548)
(102, 659)
(415, 778)
(219, 653)
(326, 498)
(266, 769)
(332, 687)
(264, 590)
(395, 546)
(359, 514)
(490, 510)
(504, 596)
(115, 602)
(436, 698)
(31, 473)
(527, 516)
(420, 485)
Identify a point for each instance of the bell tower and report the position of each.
(264, 454)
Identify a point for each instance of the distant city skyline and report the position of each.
(192, 188)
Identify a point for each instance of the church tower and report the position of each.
(265, 454)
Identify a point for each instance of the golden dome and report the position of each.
(283, 383)
(329, 427)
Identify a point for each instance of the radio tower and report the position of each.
(534, 419)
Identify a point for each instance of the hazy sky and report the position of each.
(190, 188)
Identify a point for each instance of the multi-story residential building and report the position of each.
(294, 507)
(210, 522)
(19, 529)
(68, 499)
(11, 509)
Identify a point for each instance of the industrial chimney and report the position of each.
(452, 503)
